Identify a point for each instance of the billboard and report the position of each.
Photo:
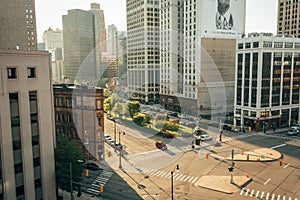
(223, 18)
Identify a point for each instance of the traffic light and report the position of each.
(86, 172)
(101, 188)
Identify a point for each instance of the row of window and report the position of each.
(12, 72)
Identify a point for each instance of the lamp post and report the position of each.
(71, 178)
(172, 190)
(121, 149)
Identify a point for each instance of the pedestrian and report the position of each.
(221, 132)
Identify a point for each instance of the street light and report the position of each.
(172, 190)
(121, 149)
(71, 181)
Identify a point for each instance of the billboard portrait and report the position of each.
(223, 18)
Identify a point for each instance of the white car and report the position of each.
(205, 137)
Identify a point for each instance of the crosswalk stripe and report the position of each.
(183, 177)
(190, 179)
(186, 178)
(156, 174)
(273, 196)
(267, 197)
(278, 197)
(242, 191)
(262, 195)
(256, 194)
(247, 192)
(251, 193)
(179, 176)
(195, 180)
(163, 174)
(283, 198)
(175, 176)
(290, 198)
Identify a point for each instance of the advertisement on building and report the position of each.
(223, 18)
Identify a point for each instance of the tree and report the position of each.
(67, 152)
(133, 107)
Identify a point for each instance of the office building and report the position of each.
(122, 57)
(288, 18)
(53, 39)
(57, 63)
(198, 56)
(84, 37)
(79, 115)
(143, 62)
(18, 27)
(79, 45)
(267, 81)
(27, 126)
(112, 38)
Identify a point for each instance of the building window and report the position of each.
(31, 72)
(12, 73)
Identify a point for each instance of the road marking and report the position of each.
(283, 198)
(273, 196)
(194, 179)
(286, 166)
(267, 197)
(278, 197)
(163, 174)
(160, 172)
(290, 198)
(281, 145)
(179, 176)
(267, 181)
(183, 177)
(256, 194)
(186, 178)
(251, 193)
(175, 176)
(262, 195)
(242, 190)
(191, 179)
(247, 192)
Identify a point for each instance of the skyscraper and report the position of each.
(143, 49)
(112, 39)
(79, 45)
(84, 37)
(53, 39)
(198, 55)
(18, 27)
(288, 18)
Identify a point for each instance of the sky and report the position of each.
(261, 15)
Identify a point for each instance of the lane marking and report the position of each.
(256, 194)
(286, 166)
(267, 181)
(281, 145)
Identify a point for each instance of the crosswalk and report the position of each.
(264, 195)
(100, 180)
(164, 174)
(172, 151)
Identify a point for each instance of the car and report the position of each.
(205, 137)
(110, 118)
(120, 146)
(107, 136)
(160, 145)
(293, 131)
(92, 166)
(168, 135)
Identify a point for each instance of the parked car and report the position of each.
(205, 137)
(293, 131)
(160, 145)
(110, 118)
(168, 135)
(92, 166)
(107, 136)
(119, 145)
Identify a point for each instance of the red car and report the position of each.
(160, 145)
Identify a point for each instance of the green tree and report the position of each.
(171, 126)
(134, 107)
(107, 104)
(67, 152)
(139, 118)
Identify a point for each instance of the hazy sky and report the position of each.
(261, 15)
